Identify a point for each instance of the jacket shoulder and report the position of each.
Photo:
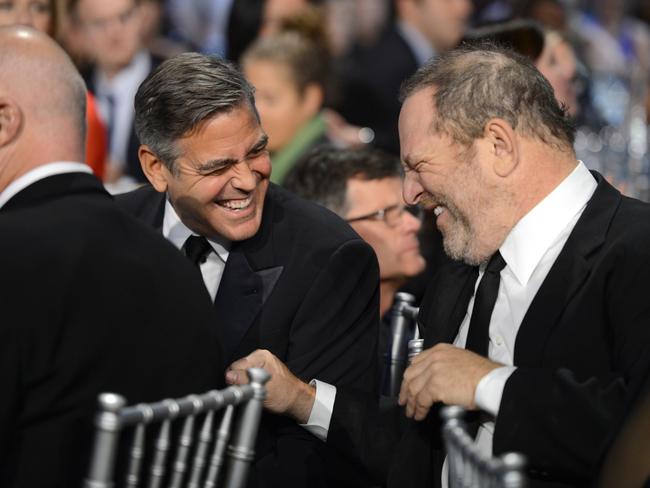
(140, 200)
(307, 220)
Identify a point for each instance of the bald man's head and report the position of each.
(40, 85)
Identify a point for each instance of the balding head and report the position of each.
(42, 102)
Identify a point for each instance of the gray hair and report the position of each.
(475, 84)
(183, 93)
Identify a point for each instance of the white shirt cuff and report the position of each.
(318, 423)
(490, 389)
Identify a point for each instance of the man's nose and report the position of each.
(411, 189)
(244, 178)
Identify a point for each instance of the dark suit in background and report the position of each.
(578, 348)
(305, 287)
(91, 301)
(370, 81)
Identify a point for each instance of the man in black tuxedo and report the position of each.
(91, 299)
(541, 321)
(285, 274)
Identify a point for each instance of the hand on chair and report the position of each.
(444, 373)
(285, 393)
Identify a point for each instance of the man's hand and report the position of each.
(285, 394)
(444, 373)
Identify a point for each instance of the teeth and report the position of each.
(236, 204)
(438, 210)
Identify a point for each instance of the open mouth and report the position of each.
(438, 210)
(236, 205)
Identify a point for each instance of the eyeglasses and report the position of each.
(391, 215)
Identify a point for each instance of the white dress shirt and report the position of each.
(212, 269)
(122, 87)
(529, 251)
(39, 173)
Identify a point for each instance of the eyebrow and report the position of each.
(221, 163)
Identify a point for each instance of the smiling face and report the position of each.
(397, 247)
(221, 176)
(451, 180)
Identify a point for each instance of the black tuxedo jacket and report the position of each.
(306, 288)
(369, 87)
(91, 301)
(576, 352)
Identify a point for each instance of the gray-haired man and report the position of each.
(285, 274)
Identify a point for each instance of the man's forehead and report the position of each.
(370, 193)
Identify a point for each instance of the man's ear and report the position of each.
(11, 121)
(503, 146)
(153, 168)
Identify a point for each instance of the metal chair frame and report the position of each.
(470, 468)
(403, 330)
(114, 416)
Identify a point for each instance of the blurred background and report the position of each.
(330, 70)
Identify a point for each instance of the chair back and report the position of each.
(199, 450)
(469, 467)
(403, 329)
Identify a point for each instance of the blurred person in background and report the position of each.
(43, 15)
(616, 48)
(371, 75)
(200, 25)
(112, 37)
(553, 56)
(289, 71)
(364, 187)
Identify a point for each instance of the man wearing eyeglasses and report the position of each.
(364, 187)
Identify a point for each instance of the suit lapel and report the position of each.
(238, 301)
(250, 275)
(567, 275)
(445, 304)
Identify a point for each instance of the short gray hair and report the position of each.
(476, 83)
(180, 95)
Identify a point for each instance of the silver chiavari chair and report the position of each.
(468, 467)
(403, 329)
(198, 459)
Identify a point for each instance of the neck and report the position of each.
(542, 175)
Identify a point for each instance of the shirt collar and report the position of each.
(39, 173)
(536, 232)
(420, 45)
(177, 232)
(132, 75)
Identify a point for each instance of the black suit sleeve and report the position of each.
(560, 419)
(335, 330)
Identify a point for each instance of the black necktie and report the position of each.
(197, 249)
(478, 335)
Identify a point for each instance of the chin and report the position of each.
(241, 232)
